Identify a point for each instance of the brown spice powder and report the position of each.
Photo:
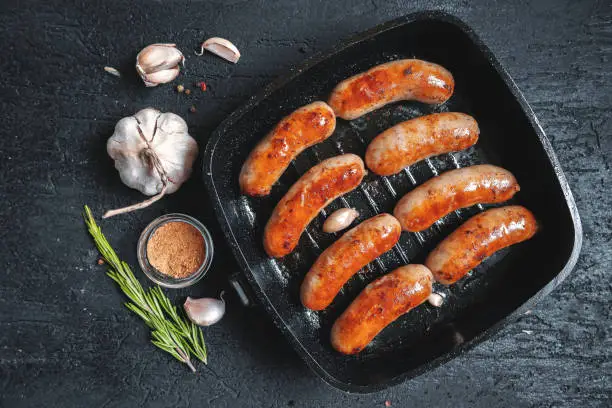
(176, 249)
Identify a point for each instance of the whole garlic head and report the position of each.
(153, 153)
(159, 63)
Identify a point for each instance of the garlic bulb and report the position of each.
(159, 63)
(153, 153)
(340, 219)
(205, 311)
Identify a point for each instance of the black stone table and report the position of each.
(65, 338)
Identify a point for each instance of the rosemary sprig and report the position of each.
(170, 331)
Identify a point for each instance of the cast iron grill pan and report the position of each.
(505, 284)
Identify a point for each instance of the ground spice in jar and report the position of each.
(176, 249)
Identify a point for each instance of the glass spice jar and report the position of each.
(176, 250)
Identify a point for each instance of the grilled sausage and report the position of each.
(414, 140)
(380, 303)
(408, 79)
(301, 129)
(345, 257)
(452, 190)
(478, 238)
(318, 187)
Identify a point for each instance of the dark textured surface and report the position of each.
(65, 339)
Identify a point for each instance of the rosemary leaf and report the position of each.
(171, 332)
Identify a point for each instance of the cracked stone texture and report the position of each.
(65, 338)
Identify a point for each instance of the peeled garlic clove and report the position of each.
(205, 311)
(223, 48)
(340, 219)
(435, 299)
(157, 58)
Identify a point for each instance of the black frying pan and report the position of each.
(504, 286)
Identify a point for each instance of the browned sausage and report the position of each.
(318, 187)
(301, 129)
(345, 257)
(478, 238)
(452, 190)
(380, 303)
(408, 79)
(414, 140)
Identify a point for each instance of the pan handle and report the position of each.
(242, 290)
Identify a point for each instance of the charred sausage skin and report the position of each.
(407, 79)
(318, 187)
(305, 127)
(450, 191)
(477, 238)
(378, 305)
(345, 257)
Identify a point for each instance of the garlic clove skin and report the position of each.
(160, 77)
(112, 71)
(205, 311)
(158, 63)
(340, 219)
(133, 174)
(223, 48)
(158, 57)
